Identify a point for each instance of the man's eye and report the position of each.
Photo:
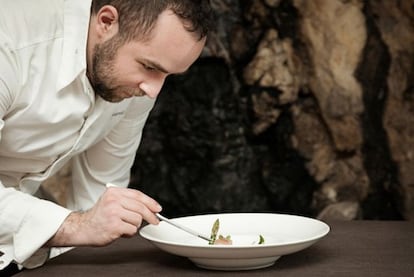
(149, 68)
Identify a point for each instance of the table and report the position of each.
(352, 248)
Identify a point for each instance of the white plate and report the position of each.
(283, 234)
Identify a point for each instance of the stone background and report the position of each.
(296, 106)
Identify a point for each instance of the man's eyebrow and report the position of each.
(155, 65)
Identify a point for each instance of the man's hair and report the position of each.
(138, 17)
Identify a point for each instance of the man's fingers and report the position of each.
(141, 205)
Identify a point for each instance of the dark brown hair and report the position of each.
(138, 17)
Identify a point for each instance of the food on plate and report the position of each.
(221, 239)
(261, 239)
(225, 240)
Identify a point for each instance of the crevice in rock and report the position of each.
(372, 72)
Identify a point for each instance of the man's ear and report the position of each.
(107, 22)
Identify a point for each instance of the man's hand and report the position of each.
(118, 213)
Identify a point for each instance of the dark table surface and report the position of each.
(352, 248)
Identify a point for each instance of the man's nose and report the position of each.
(152, 89)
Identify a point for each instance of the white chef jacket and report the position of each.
(49, 115)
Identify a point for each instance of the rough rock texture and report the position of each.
(295, 106)
(395, 23)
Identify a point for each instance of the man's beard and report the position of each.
(101, 75)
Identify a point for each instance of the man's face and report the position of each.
(103, 78)
(139, 68)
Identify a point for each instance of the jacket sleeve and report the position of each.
(26, 222)
(111, 159)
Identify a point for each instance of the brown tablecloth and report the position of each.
(352, 248)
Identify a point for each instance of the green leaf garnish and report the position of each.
(214, 231)
(261, 239)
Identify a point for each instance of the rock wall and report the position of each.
(295, 106)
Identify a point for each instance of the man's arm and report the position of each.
(118, 213)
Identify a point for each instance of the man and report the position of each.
(78, 79)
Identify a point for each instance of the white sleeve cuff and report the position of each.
(40, 223)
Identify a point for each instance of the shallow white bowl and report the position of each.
(283, 234)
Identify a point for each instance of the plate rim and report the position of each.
(322, 234)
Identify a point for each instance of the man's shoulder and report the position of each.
(27, 22)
